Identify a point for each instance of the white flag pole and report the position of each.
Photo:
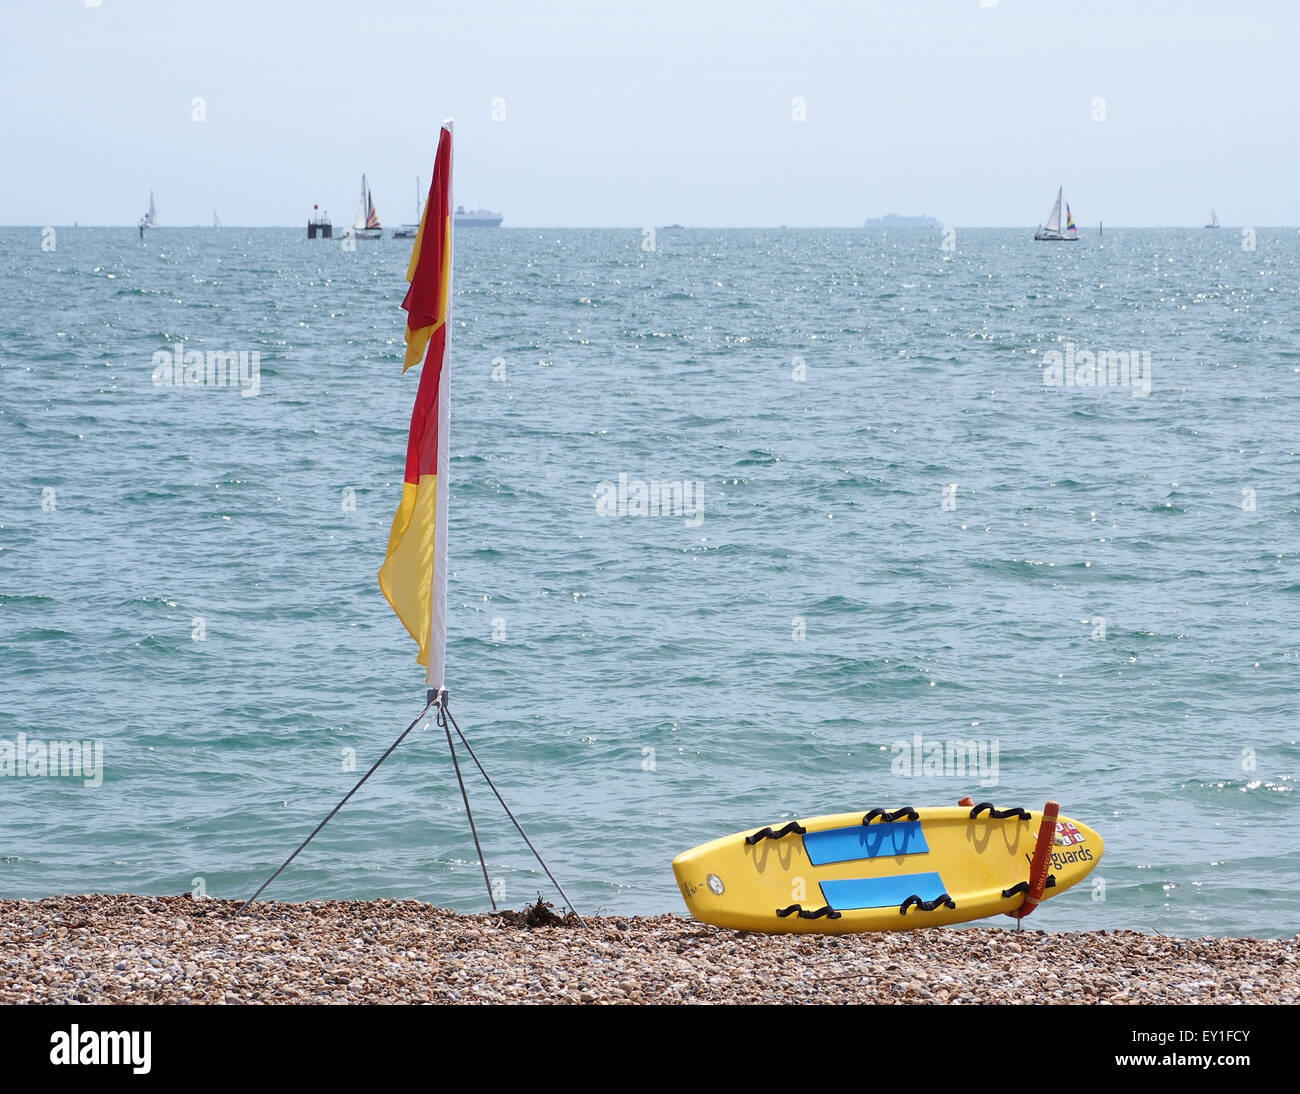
(438, 600)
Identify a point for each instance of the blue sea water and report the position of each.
(903, 530)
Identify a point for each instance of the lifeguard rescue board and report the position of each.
(884, 870)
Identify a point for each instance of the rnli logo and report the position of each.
(715, 885)
(1067, 835)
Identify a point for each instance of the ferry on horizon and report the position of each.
(477, 218)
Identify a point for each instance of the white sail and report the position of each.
(1054, 221)
(1214, 218)
(359, 221)
(151, 217)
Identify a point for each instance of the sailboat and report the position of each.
(1214, 218)
(150, 219)
(365, 225)
(1052, 232)
(408, 231)
(216, 220)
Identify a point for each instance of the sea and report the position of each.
(745, 525)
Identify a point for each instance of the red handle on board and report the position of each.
(1042, 863)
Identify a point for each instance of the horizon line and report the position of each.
(680, 227)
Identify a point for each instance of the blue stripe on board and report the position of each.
(865, 841)
(880, 892)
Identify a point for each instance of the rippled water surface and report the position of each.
(916, 536)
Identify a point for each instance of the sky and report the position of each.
(602, 114)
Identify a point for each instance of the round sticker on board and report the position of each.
(715, 885)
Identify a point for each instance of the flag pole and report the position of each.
(426, 317)
(435, 677)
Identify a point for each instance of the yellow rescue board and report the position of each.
(837, 875)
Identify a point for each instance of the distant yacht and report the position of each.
(1052, 232)
(365, 225)
(409, 231)
(216, 220)
(477, 218)
(893, 220)
(1214, 218)
(150, 219)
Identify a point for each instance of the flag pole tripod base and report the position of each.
(435, 698)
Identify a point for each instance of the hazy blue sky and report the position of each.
(650, 114)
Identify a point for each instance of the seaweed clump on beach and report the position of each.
(541, 914)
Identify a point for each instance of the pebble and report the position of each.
(385, 951)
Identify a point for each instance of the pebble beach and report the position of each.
(136, 949)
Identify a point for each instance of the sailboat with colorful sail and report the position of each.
(1051, 232)
(365, 225)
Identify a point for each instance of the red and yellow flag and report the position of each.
(414, 574)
